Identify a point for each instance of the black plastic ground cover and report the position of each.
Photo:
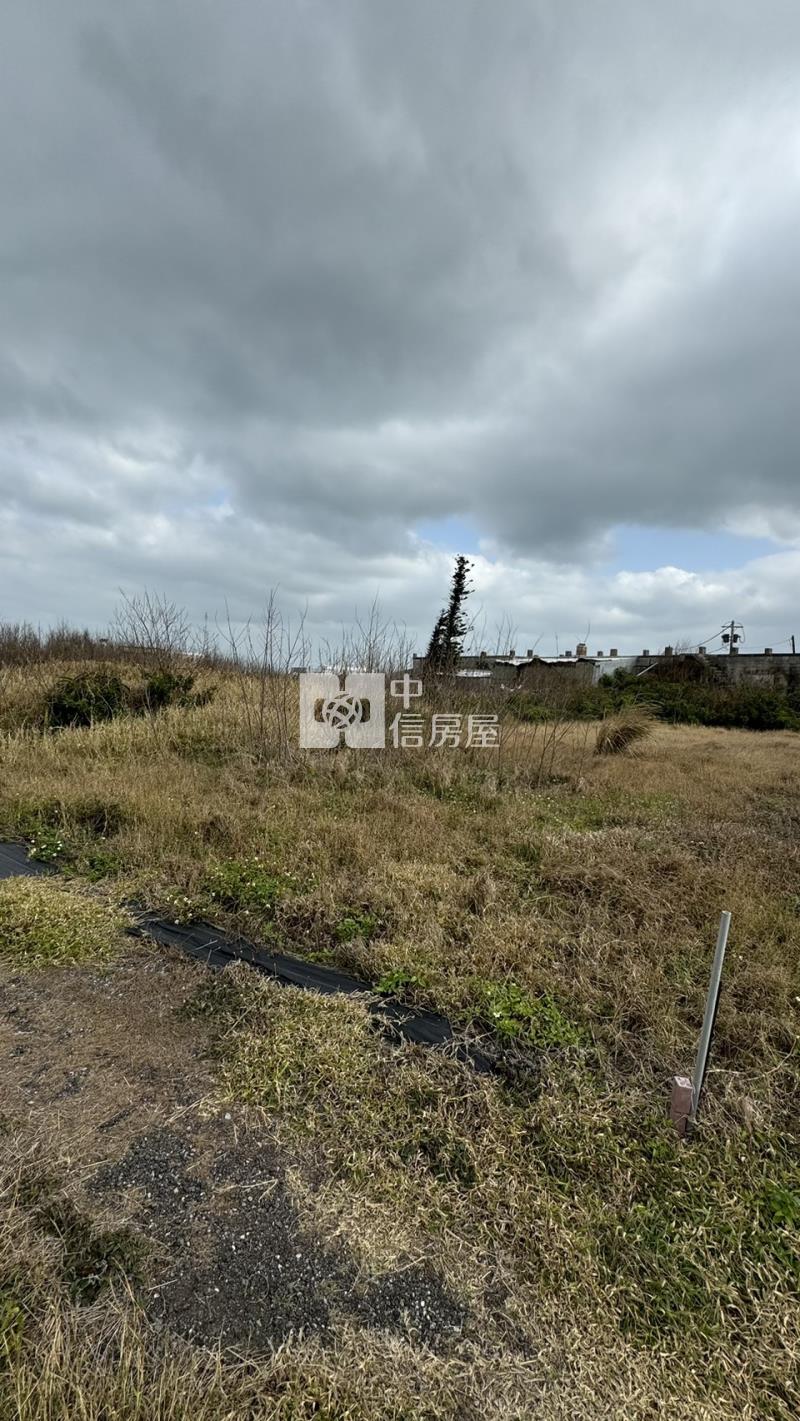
(218, 950)
(14, 862)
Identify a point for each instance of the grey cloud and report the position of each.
(355, 267)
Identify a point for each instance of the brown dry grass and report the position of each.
(603, 886)
(567, 897)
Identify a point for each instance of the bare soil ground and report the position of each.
(104, 1080)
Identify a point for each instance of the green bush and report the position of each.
(168, 688)
(84, 699)
(679, 701)
(99, 863)
(100, 694)
(707, 702)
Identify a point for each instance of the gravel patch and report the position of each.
(233, 1261)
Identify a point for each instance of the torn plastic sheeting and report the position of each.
(207, 944)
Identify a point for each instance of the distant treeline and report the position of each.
(158, 635)
(21, 644)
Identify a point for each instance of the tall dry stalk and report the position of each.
(263, 661)
(372, 644)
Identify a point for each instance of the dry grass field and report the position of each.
(556, 1252)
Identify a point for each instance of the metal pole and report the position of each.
(709, 1015)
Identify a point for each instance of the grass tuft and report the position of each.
(44, 923)
(620, 732)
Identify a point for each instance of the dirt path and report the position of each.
(105, 1083)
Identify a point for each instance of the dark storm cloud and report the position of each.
(300, 277)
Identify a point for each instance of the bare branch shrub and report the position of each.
(263, 660)
(152, 630)
(374, 644)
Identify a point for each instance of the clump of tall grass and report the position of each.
(618, 733)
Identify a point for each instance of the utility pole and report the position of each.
(794, 653)
(731, 635)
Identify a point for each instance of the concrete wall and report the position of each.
(754, 668)
(548, 676)
(778, 670)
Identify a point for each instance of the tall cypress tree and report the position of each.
(447, 638)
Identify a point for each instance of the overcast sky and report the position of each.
(318, 293)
